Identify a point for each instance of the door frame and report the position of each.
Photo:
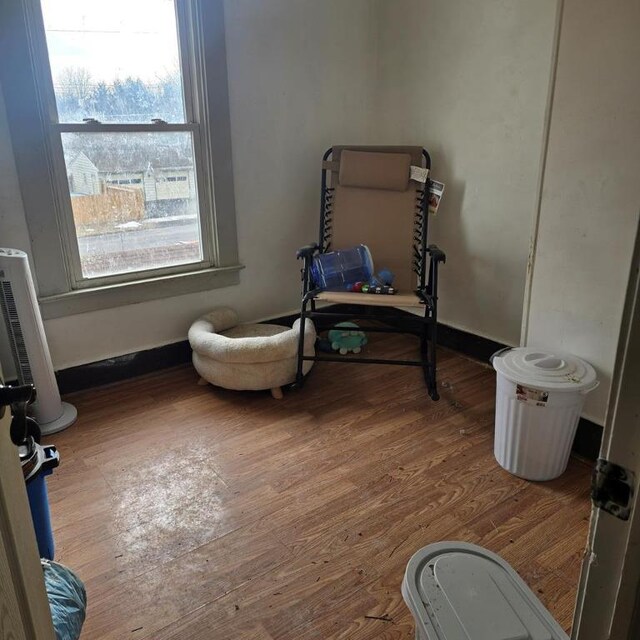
(24, 613)
(608, 601)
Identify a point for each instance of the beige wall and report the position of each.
(300, 78)
(591, 190)
(469, 80)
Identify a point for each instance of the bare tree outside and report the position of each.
(75, 83)
(127, 99)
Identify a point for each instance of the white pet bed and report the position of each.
(247, 356)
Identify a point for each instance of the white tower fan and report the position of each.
(29, 343)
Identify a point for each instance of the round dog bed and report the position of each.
(247, 356)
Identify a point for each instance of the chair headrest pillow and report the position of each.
(371, 170)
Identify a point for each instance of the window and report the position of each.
(134, 120)
(122, 108)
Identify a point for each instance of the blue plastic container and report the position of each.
(39, 502)
(336, 269)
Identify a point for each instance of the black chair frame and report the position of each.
(426, 258)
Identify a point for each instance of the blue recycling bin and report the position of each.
(46, 459)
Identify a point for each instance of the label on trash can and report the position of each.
(535, 397)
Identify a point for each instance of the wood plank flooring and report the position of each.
(197, 513)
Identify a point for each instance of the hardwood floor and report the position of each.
(194, 512)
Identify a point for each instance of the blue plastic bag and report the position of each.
(67, 600)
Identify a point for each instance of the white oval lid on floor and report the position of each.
(548, 369)
(459, 591)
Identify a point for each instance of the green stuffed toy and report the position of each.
(344, 339)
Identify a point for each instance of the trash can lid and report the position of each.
(461, 591)
(546, 369)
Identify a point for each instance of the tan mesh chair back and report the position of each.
(368, 197)
(374, 203)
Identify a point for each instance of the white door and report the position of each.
(609, 594)
(24, 610)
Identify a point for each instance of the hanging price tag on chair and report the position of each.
(419, 174)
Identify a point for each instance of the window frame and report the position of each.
(36, 135)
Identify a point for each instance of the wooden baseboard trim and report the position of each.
(588, 439)
(118, 368)
(97, 374)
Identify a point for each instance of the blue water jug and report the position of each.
(336, 269)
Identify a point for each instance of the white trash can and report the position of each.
(539, 398)
(457, 591)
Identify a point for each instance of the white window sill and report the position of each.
(118, 295)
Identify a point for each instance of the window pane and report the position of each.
(134, 200)
(116, 61)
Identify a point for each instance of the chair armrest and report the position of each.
(307, 251)
(436, 254)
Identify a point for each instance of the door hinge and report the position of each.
(612, 488)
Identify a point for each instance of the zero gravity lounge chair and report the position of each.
(368, 198)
